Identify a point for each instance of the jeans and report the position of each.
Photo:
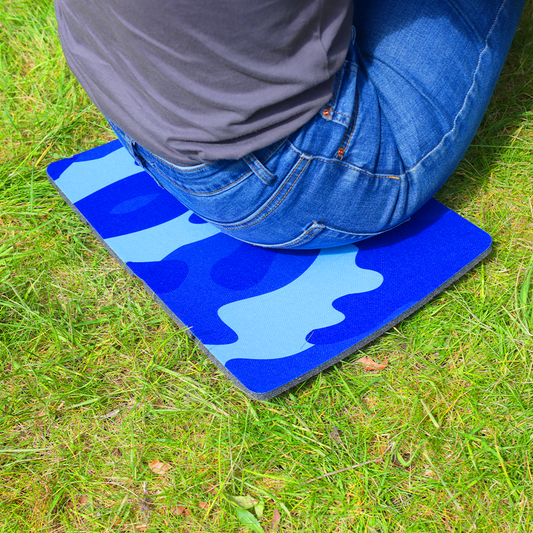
(406, 104)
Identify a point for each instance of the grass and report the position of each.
(98, 386)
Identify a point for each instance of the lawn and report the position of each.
(112, 421)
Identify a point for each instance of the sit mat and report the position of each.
(269, 319)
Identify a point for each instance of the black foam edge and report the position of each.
(304, 377)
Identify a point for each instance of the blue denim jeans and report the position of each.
(416, 82)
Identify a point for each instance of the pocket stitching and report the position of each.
(240, 225)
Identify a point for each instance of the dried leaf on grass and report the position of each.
(145, 504)
(158, 467)
(276, 518)
(203, 505)
(83, 500)
(128, 406)
(369, 364)
(79, 502)
(180, 510)
(336, 434)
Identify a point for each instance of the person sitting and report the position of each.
(292, 123)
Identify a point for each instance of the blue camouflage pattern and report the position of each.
(268, 318)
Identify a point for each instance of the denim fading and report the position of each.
(406, 104)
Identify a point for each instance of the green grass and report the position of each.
(97, 382)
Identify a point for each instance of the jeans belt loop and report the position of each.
(134, 152)
(259, 169)
(139, 160)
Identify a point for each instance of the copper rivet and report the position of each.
(340, 153)
(327, 112)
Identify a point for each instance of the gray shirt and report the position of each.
(200, 80)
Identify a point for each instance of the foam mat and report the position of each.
(269, 319)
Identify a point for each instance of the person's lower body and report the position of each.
(417, 80)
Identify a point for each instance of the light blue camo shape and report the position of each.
(277, 324)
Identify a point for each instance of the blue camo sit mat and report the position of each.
(269, 319)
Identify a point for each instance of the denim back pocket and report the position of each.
(223, 192)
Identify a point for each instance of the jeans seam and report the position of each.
(343, 115)
(346, 165)
(222, 188)
(333, 99)
(344, 145)
(306, 236)
(259, 169)
(350, 233)
(267, 157)
(467, 93)
(364, 233)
